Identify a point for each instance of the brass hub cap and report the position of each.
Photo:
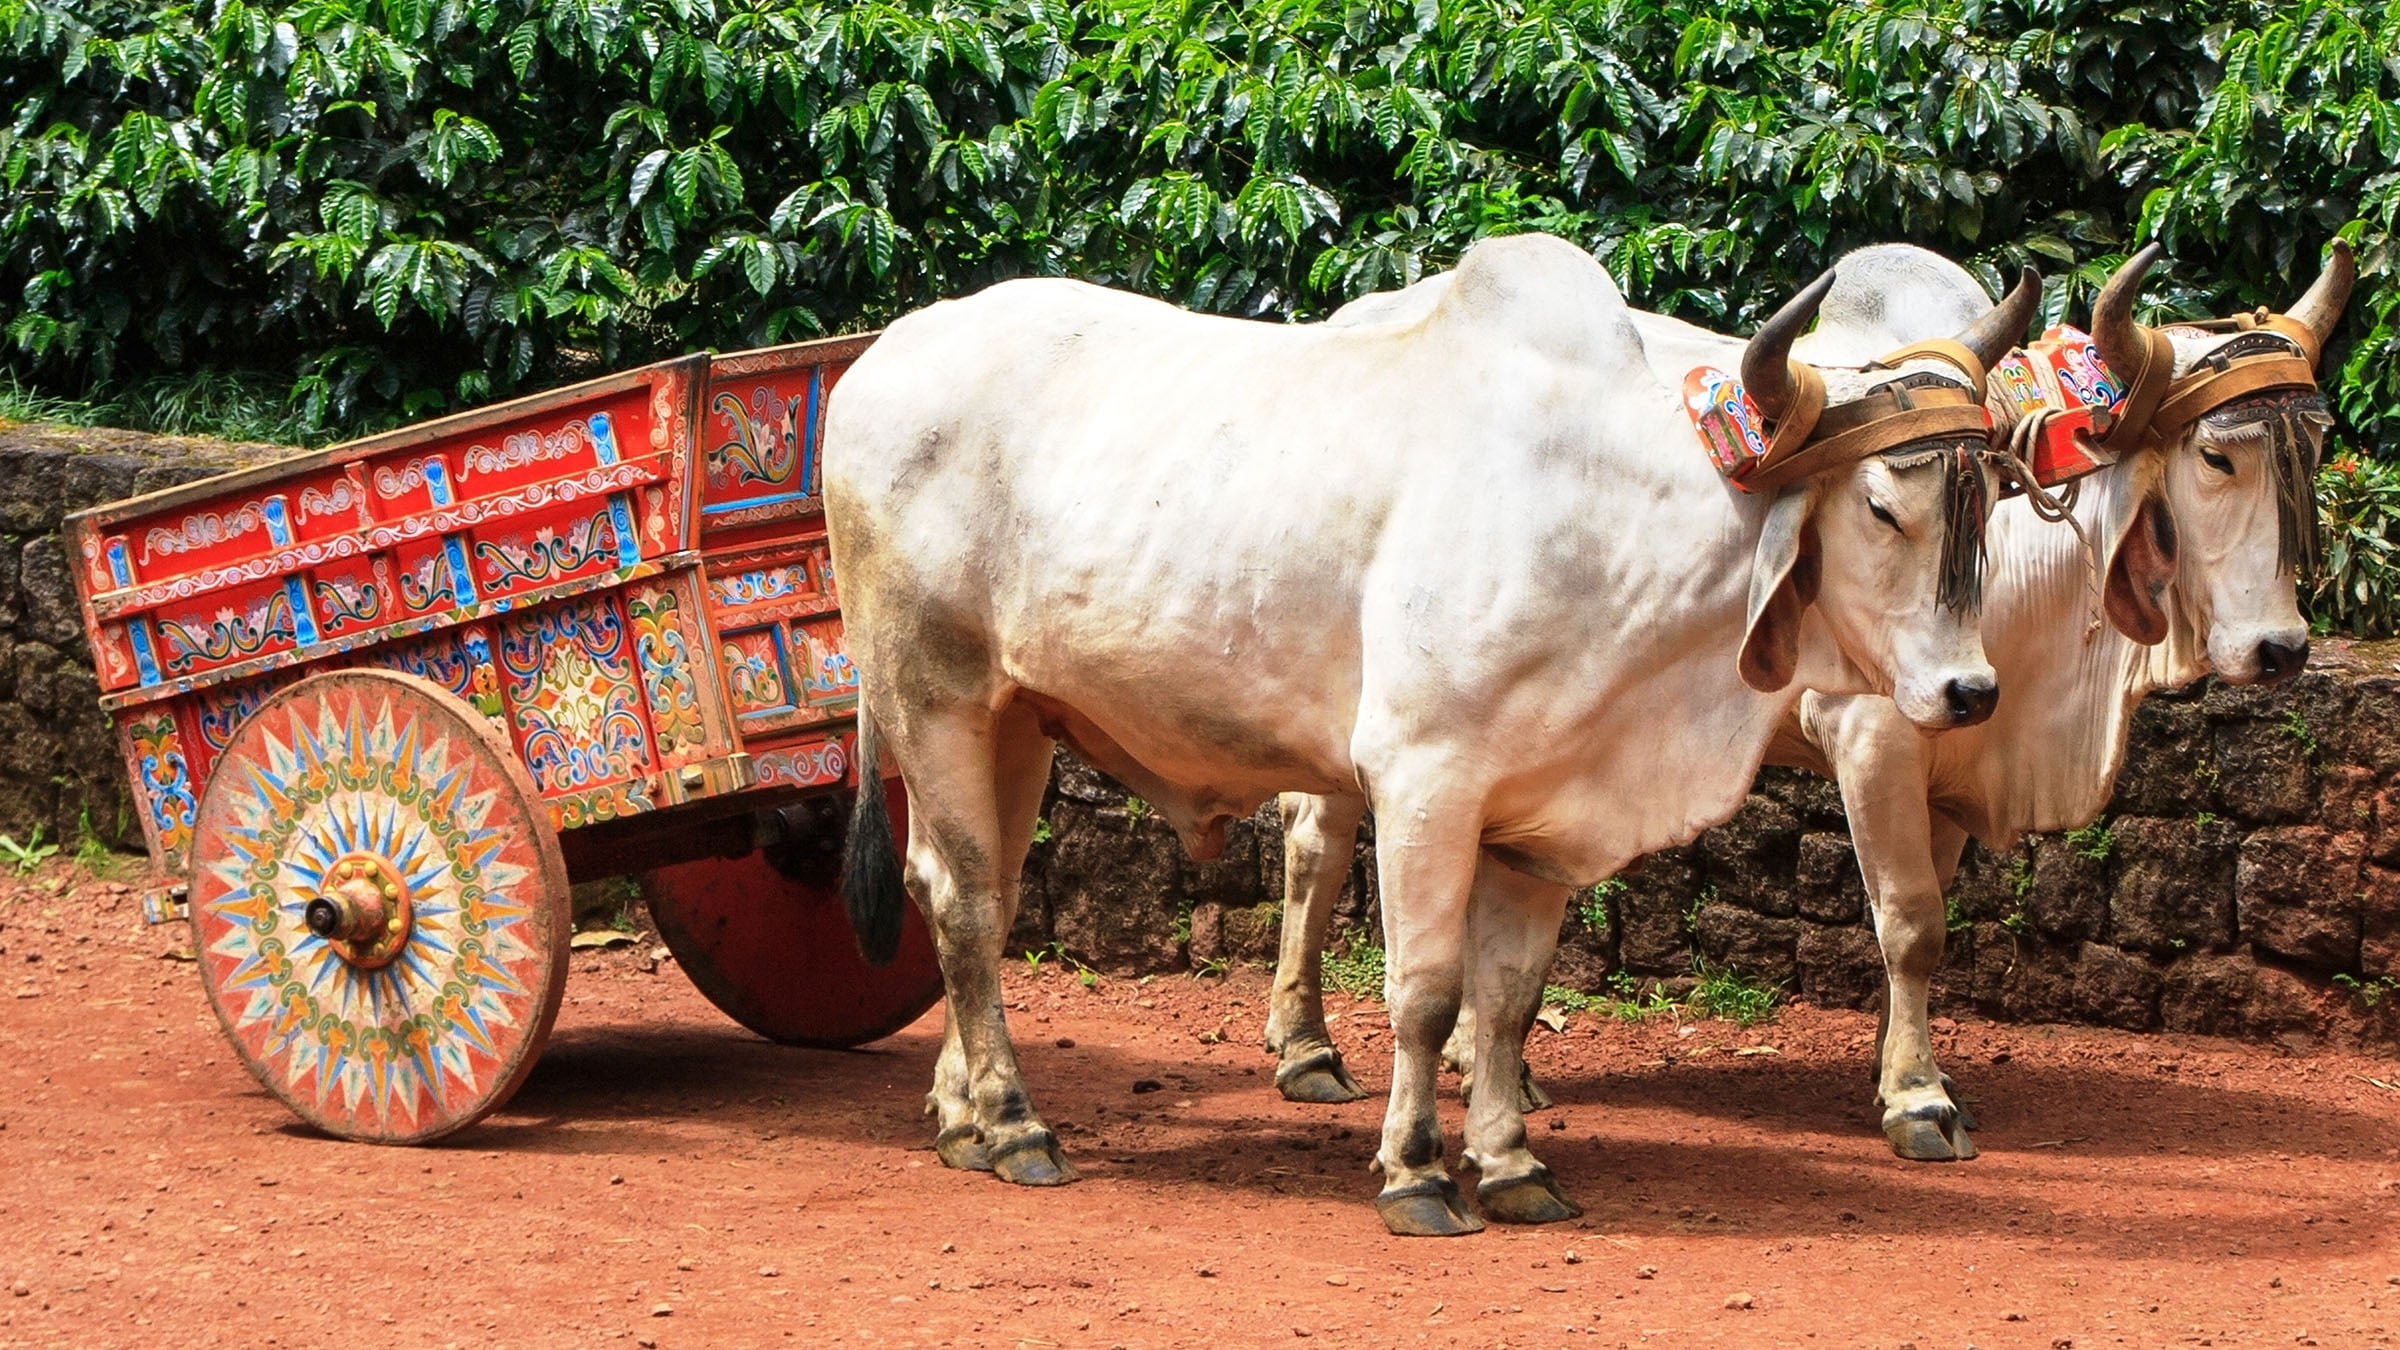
(363, 912)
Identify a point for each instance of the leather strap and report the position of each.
(2302, 336)
(2264, 320)
(1962, 419)
(1799, 420)
(1939, 349)
(2145, 389)
(2196, 396)
(1812, 438)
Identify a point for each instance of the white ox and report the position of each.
(2199, 576)
(2202, 532)
(1470, 563)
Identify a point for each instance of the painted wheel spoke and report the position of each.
(332, 921)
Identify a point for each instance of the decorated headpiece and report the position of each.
(1770, 427)
(2082, 403)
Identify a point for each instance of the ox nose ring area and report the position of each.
(362, 911)
(2280, 660)
(1971, 700)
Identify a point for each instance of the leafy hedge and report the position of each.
(393, 206)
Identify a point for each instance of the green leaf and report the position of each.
(683, 180)
(645, 176)
(758, 262)
(524, 43)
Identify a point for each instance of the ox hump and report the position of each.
(1540, 291)
(1886, 296)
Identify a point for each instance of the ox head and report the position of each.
(1881, 524)
(2224, 424)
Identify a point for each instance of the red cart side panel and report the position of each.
(534, 558)
(226, 626)
(779, 639)
(213, 713)
(762, 428)
(576, 705)
(774, 631)
(807, 762)
(687, 711)
(320, 553)
(164, 785)
(458, 659)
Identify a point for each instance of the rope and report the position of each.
(2011, 451)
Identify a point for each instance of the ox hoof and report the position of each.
(961, 1146)
(1034, 1161)
(1319, 1078)
(1532, 1198)
(1966, 1115)
(1427, 1209)
(1934, 1136)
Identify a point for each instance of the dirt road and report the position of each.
(667, 1179)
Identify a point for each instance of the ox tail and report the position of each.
(873, 890)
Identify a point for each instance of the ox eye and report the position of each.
(1882, 514)
(2216, 461)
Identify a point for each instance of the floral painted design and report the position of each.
(575, 707)
(664, 650)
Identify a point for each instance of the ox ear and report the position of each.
(2140, 568)
(1783, 583)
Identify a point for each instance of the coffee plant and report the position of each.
(394, 207)
(2357, 590)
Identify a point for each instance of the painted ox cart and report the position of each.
(381, 703)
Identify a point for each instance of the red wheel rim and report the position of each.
(776, 952)
(385, 795)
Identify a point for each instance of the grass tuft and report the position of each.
(1356, 970)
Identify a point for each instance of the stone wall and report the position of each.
(2249, 865)
(59, 768)
(2246, 881)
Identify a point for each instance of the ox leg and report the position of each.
(1949, 842)
(1512, 933)
(1318, 833)
(1425, 856)
(1883, 789)
(1458, 1056)
(974, 784)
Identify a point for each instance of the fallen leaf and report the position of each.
(1759, 1050)
(1553, 1018)
(600, 937)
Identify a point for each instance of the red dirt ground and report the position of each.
(667, 1179)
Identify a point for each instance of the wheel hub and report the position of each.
(363, 910)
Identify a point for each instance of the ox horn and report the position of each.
(1766, 359)
(1999, 331)
(2321, 308)
(2114, 332)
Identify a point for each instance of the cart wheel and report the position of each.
(379, 906)
(766, 939)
